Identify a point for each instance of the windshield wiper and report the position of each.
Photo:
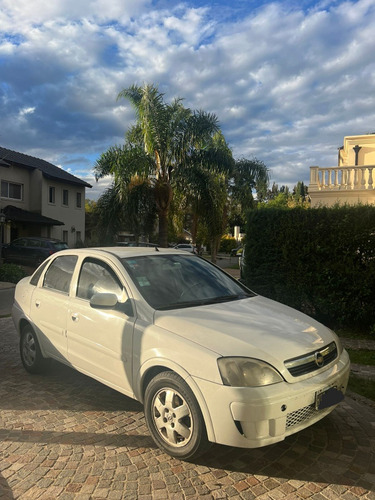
(203, 302)
(227, 298)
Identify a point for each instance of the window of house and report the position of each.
(65, 199)
(11, 190)
(65, 237)
(51, 195)
(79, 200)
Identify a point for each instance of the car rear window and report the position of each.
(60, 245)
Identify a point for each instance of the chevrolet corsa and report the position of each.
(210, 360)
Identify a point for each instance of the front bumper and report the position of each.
(254, 417)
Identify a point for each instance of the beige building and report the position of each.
(352, 180)
(40, 199)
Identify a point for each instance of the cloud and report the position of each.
(288, 80)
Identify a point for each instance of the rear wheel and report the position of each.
(174, 418)
(30, 352)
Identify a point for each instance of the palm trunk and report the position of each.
(194, 229)
(215, 243)
(163, 228)
(163, 198)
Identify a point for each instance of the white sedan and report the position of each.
(210, 360)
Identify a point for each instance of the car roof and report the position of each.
(122, 252)
(39, 238)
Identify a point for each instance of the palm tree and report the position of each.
(205, 185)
(163, 143)
(248, 175)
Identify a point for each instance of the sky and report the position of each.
(287, 79)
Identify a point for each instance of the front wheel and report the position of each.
(31, 356)
(174, 418)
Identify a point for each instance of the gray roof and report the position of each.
(9, 157)
(18, 215)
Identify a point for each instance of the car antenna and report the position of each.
(156, 249)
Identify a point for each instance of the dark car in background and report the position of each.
(31, 250)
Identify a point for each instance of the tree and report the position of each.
(247, 176)
(204, 182)
(162, 144)
(300, 191)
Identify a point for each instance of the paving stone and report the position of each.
(65, 436)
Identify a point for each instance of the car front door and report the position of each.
(100, 339)
(49, 306)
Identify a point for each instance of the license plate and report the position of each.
(327, 398)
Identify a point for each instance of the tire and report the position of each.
(174, 418)
(30, 352)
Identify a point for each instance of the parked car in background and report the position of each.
(31, 250)
(187, 247)
(210, 360)
(236, 252)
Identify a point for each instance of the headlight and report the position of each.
(247, 372)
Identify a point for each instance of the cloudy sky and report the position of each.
(287, 79)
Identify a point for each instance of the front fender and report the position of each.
(160, 364)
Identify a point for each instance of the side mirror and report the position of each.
(99, 300)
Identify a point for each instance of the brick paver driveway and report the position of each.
(65, 436)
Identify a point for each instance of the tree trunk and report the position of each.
(163, 228)
(194, 229)
(215, 244)
(163, 198)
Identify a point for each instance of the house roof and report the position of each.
(18, 215)
(8, 157)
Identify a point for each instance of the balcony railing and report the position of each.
(342, 178)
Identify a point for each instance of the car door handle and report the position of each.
(75, 317)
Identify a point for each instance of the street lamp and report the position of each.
(2, 222)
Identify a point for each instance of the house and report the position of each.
(40, 199)
(352, 180)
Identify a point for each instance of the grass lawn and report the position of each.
(362, 386)
(362, 357)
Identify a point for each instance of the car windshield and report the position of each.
(175, 281)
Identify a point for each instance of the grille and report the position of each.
(301, 415)
(312, 361)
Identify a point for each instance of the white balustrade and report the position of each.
(341, 178)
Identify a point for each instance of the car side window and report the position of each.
(60, 272)
(34, 243)
(19, 243)
(97, 277)
(35, 277)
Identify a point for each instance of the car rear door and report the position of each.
(49, 306)
(100, 340)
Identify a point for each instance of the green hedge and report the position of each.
(11, 273)
(321, 261)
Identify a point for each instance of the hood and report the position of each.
(255, 327)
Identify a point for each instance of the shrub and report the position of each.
(321, 261)
(11, 273)
(227, 244)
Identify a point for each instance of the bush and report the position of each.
(321, 261)
(227, 244)
(11, 273)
